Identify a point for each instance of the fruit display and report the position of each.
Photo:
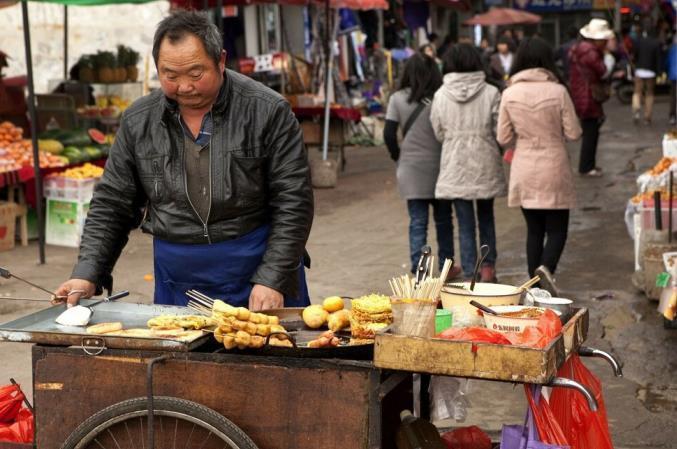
(9, 134)
(86, 171)
(330, 313)
(237, 327)
(662, 166)
(109, 67)
(22, 153)
(50, 146)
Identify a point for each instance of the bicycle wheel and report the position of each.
(178, 424)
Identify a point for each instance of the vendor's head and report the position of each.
(598, 32)
(190, 59)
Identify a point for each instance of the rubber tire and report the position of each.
(190, 408)
(624, 93)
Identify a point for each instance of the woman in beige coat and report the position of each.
(538, 117)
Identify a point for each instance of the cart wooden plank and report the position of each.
(280, 403)
(575, 331)
(468, 359)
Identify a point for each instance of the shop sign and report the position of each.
(554, 5)
(490, 3)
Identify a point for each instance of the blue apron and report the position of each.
(221, 270)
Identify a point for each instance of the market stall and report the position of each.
(211, 375)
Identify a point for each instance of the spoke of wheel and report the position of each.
(100, 445)
(129, 435)
(113, 437)
(176, 428)
(189, 435)
(205, 440)
(143, 436)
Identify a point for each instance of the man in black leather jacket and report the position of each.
(214, 167)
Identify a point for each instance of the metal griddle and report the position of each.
(40, 327)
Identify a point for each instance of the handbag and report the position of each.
(601, 91)
(526, 436)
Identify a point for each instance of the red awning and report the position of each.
(503, 16)
(351, 4)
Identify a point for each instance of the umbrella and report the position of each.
(503, 16)
(351, 4)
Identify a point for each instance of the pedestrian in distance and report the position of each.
(589, 89)
(464, 115)
(501, 61)
(537, 116)
(418, 157)
(648, 65)
(562, 53)
(672, 76)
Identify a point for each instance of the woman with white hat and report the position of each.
(589, 89)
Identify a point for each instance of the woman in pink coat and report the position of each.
(538, 117)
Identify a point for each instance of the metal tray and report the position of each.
(40, 327)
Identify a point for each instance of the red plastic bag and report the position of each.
(548, 328)
(474, 334)
(20, 431)
(549, 430)
(583, 428)
(467, 438)
(11, 398)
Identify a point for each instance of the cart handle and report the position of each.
(616, 365)
(568, 383)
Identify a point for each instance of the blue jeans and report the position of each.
(418, 229)
(465, 214)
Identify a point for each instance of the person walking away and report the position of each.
(562, 53)
(647, 68)
(464, 114)
(589, 89)
(501, 61)
(418, 157)
(672, 75)
(537, 115)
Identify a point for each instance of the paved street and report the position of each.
(359, 240)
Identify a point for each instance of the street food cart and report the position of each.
(122, 392)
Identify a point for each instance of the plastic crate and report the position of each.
(65, 220)
(59, 187)
(7, 225)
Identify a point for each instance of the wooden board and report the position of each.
(280, 403)
(575, 331)
(467, 359)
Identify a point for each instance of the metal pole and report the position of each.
(219, 15)
(327, 80)
(65, 42)
(381, 37)
(34, 130)
(617, 16)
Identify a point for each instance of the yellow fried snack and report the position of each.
(242, 338)
(229, 342)
(333, 304)
(273, 320)
(218, 335)
(263, 329)
(257, 342)
(250, 328)
(243, 314)
(338, 320)
(221, 307)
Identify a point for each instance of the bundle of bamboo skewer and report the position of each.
(414, 303)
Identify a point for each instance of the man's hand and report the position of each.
(263, 298)
(73, 290)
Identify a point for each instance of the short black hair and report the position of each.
(180, 23)
(535, 53)
(422, 76)
(463, 58)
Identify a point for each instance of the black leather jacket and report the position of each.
(259, 175)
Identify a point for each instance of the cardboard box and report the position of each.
(65, 222)
(7, 225)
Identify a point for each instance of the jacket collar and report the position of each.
(171, 107)
(537, 74)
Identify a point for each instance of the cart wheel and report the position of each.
(177, 423)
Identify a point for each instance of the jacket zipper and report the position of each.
(205, 227)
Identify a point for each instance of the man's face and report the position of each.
(503, 49)
(187, 74)
(601, 44)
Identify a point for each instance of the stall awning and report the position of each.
(335, 4)
(503, 16)
(91, 2)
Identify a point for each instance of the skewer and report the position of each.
(199, 308)
(206, 300)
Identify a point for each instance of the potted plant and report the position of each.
(121, 71)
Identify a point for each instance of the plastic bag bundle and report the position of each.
(467, 438)
(583, 428)
(16, 423)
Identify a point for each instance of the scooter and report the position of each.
(623, 84)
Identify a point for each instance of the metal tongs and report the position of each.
(5, 273)
(424, 267)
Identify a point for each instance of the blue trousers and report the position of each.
(419, 212)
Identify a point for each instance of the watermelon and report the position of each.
(76, 137)
(96, 136)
